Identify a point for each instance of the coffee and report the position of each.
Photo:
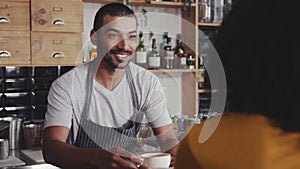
(157, 155)
(156, 160)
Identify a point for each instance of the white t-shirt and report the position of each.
(114, 108)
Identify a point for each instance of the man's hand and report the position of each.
(167, 140)
(172, 164)
(57, 152)
(120, 158)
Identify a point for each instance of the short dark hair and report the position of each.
(261, 59)
(112, 9)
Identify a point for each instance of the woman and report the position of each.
(259, 45)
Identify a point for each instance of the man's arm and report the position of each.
(167, 140)
(56, 151)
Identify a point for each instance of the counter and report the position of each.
(26, 159)
(29, 162)
(35, 166)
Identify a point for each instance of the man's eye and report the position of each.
(113, 36)
(132, 37)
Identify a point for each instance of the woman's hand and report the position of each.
(172, 161)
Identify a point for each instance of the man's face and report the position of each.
(117, 40)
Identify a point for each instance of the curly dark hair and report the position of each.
(112, 9)
(259, 46)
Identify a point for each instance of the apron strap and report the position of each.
(93, 67)
(137, 120)
(132, 87)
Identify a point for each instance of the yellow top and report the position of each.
(240, 142)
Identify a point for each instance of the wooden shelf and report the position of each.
(170, 4)
(100, 1)
(166, 4)
(210, 24)
(172, 70)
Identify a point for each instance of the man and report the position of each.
(99, 105)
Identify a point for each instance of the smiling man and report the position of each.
(97, 107)
(118, 39)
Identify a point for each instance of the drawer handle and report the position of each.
(4, 20)
(58, 22)
(57, 55)
(4, 54)
(3, 6)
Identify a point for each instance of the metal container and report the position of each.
(4, 129)
(14, 131)
(3, 149)
(33, 135)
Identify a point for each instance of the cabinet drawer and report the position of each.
(45, 71)
(1, 86)
(14, 15)
(57, 15)
(14, 48)
(17, 85)
(55, 48)
(42, 83)
(17, 99)
(16, 71)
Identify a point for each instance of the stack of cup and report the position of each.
(14, 135)
(4, 149)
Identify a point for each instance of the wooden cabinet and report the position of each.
(49, 48)
(14, 32)
(40, 32)
(14, 47)
(56, 32)
(189, 80)
(14, 15)
(56, 16)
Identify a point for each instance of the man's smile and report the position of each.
(120, 53)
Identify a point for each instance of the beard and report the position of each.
(115, 62)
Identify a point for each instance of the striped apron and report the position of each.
(92, 135)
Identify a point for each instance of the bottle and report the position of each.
(201, 73)
(169, 54)
(182, 59)
(154, 57)
(93, 53)
(190, 61)
(180, 55)
(163, 42)
(141, 56)
(218, 11)
(227, 7)
(205, 11)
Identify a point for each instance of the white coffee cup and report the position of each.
(156, 160)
